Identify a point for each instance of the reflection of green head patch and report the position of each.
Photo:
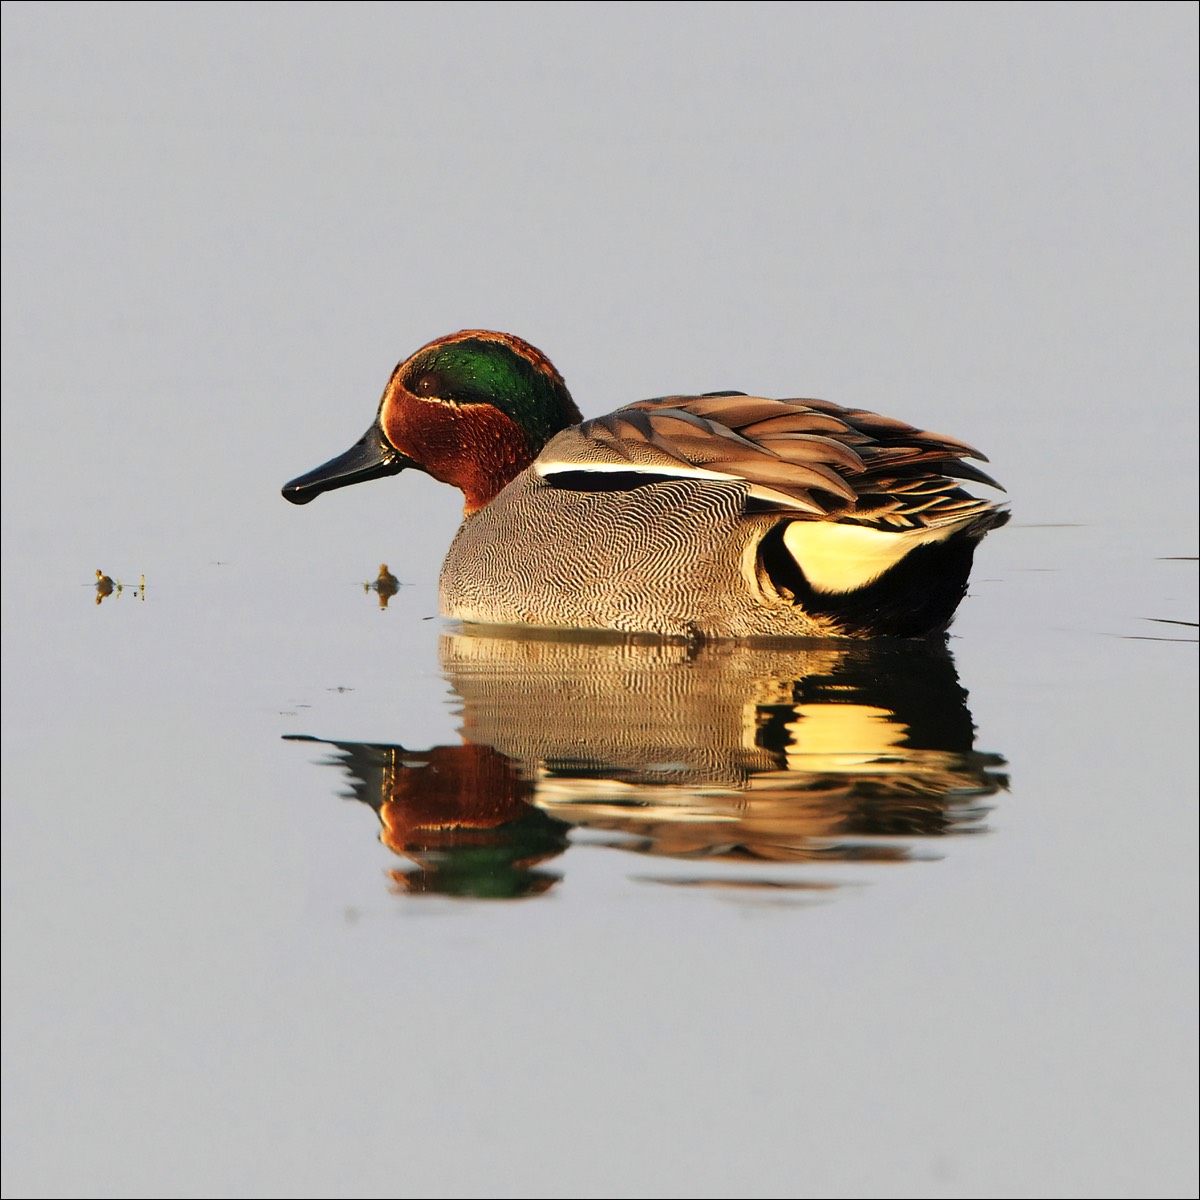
(474, 371)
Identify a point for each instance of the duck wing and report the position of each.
(811, 458)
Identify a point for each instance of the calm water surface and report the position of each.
(300, 877)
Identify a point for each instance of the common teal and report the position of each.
(711, 516)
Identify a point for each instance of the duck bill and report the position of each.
(371, 457)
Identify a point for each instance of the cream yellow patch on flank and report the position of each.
(837, 557)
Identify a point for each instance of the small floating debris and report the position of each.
(107, 586)
(385, 586)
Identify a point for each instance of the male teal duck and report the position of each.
(714, 516)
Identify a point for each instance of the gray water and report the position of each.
(822, 921)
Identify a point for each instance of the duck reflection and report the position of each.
(716, 752)
(462, 814)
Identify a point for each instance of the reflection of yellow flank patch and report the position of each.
(841, 558)
(861, 743)
(856, 730)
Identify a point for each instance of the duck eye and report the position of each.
(430, 384)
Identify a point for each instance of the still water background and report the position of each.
(222, 226)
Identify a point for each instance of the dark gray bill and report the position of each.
(371, 457)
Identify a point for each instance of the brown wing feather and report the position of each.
(810, 455)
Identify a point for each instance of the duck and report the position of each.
(717, 515)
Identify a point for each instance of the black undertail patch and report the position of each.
(915, 597)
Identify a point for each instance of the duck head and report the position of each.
(473, 409)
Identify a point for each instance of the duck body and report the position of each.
(714, 516)
(636, 563)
